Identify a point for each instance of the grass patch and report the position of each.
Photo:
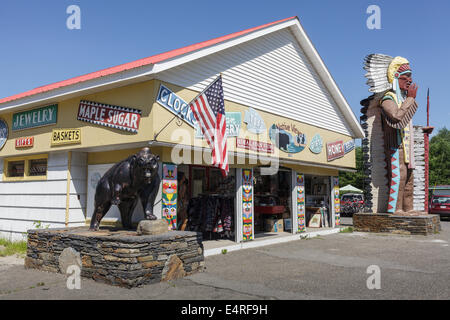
(12, 248)
(346, 230)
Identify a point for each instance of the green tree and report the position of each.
(439, 156)
(356, 179)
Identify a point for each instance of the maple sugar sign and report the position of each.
(109, 115)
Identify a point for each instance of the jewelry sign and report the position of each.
(35, 118)
(107, 115)
(233, 121)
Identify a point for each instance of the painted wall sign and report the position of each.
(3, 133)
(287, 138)
(35, 118)
(169, 195)
(335, 150)
(247, 204)
(175, 104)
(233, 128)
(254, 145)
(24, 142)
(337, 201)
(349, 146)
(301, 225)
(255, 124)
(65, 136)
(109, 115)
(316, 144)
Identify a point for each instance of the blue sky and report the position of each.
(36, 48)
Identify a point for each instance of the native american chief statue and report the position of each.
(389, 130)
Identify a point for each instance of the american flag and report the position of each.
(209, 110)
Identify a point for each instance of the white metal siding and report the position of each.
(271, 74)
(25, 202)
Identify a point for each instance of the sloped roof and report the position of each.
(138, 63)
(145, 69)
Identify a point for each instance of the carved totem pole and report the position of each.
(388, 146)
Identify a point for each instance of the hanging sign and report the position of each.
(233, 120)
(337, 201)
(254, 145)
(109, 116)
(255, 124)
(169, 195)
(349, 146)
(287, 138)
(3, 133)
(335, 150)
(175, 104)
(301, 212)
(316, 144)
(24, 142)
(35, 118)
(247, 204)
(65, 136)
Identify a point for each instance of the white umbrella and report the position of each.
(350, 188)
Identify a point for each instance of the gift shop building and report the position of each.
(289, 133)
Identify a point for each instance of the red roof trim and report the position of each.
(138, 63)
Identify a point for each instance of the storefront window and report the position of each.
(25, 168)
(318, 209)
(16, 168)
(38, 167)
(273, 201)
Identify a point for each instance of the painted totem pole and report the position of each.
(389, 144)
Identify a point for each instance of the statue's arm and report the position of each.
(399, 117)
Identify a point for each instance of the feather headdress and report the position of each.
(377, 66)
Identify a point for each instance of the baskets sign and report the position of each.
(109, 116)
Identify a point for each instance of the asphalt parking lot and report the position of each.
(325, 267)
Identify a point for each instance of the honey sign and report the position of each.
(66, 136)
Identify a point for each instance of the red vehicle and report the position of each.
(440, 201)
(351, 203)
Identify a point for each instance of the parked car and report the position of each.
(351, 203)
(440, 201)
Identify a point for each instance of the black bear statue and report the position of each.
(124, 184)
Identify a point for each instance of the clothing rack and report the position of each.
(212, 214)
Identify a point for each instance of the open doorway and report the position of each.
(273, 205)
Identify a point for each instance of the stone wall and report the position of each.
(383, 222)
(116, 257)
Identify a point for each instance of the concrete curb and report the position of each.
(267, 242)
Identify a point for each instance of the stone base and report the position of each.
(425, 224)
(117, 257)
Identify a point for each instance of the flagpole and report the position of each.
(428, 107)
(176, 116)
